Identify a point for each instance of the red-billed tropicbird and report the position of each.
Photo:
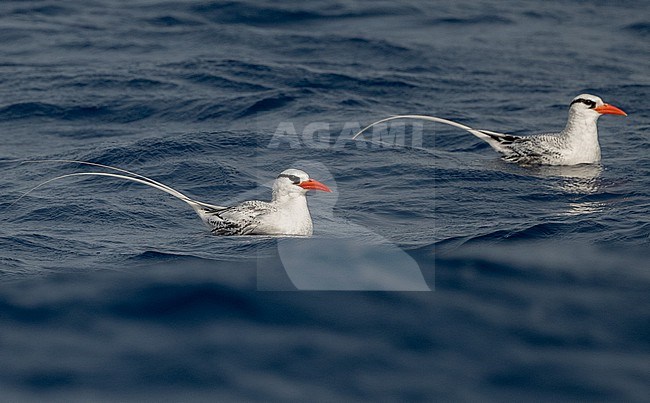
(576, 144)
(286, 214)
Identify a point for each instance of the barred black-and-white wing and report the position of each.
(242, 219)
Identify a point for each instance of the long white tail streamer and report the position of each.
(94, 164)
(135, 178)
(475, 132)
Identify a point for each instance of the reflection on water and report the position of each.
(582, 208)
(576, 180)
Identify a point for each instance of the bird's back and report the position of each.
(547, 148)
(242, 219)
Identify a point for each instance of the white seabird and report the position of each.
(286, 214)
(576, 144)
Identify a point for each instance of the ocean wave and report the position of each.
(641, 29)
(245, 12)
(118, 113)
(481, 19)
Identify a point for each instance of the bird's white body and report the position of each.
(259, 218)
(286, 214)
(576, 144)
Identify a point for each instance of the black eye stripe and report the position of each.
(588, 102)
(293, 178)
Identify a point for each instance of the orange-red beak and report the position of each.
(311, 184)
(609, 109)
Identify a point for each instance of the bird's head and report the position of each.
(296, 182)
(591, 106)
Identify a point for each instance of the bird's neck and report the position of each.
(581, 138)
(291, 216)
(581, 126)
(290, 200)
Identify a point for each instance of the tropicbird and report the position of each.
(286, 214)
(576, 144)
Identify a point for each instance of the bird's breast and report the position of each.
(291, 218)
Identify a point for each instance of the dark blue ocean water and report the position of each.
(539, 278)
